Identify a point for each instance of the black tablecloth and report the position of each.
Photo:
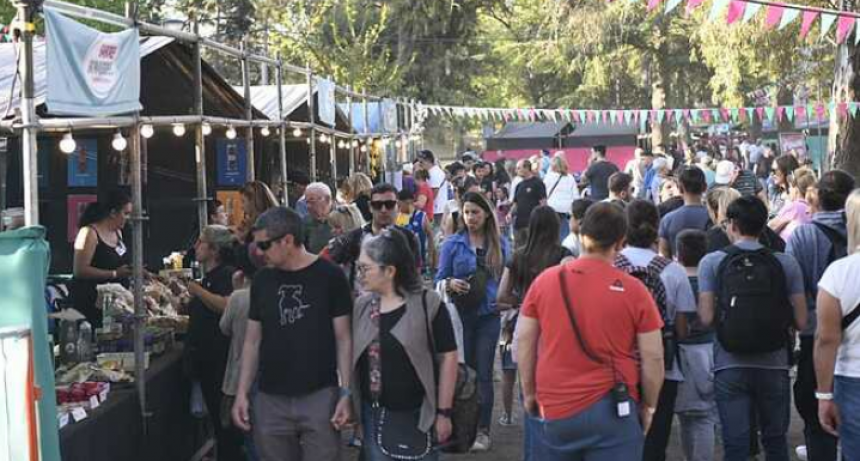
(114, 431)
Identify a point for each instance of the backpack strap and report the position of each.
(851, 317)
(658, 264)
(834, 237)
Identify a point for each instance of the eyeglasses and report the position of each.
(379, 204)
(363, 268)
(266, 244)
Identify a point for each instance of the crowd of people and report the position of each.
(609, 302)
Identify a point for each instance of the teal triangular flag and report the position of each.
(751, 10)
(715, 113)
(788, 16)
(716, 9)
(735, 113)
(857, 33)
(582, 117)
(679, 116)
(852, 106)
(789, 113)
(769, 111)
(671, 5)
(661, 115)
(643, 115)
(750, 113)
(628, 115)
(827, 21)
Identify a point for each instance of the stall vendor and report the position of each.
(101, 256)
(207, 346)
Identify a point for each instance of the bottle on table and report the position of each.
(85, 342)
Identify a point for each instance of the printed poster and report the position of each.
(796, 142)
(231, 162)
(232, 201)
(83, 164)
(76, 204)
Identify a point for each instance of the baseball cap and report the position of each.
(725, 171)
(469, 156)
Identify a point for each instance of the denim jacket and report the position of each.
(458, 260)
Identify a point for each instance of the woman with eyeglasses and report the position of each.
(401, 331)
(100, 253)
(471, 263)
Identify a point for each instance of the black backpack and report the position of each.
(838, 242)
(754, 312)
(650, 277)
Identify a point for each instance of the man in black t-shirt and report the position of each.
(299, 339)
(530, 194)
(597, 175)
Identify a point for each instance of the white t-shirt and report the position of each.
(840, 280)
(560, 197)
(439, 181)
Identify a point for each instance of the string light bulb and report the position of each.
(265, 131)
(119, 143)
(324, 138)
(397, 144)
(207, 129)
(231, 132)
(68, 144)
(179, 129)
(297, 132)
(147, 131)
(364, 148)
(355, 143)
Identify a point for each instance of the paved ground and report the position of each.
(507, 441)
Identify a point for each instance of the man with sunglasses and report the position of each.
(299, 338)
(344, 250)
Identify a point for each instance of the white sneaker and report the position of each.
(482, 443)
(801, 453)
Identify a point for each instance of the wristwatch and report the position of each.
(446, 412)
(824, 395)
(345, 392)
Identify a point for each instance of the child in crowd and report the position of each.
(577, 213)
(695, 405)
(417, 221)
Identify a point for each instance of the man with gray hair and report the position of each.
(317, 229)
(299, 338)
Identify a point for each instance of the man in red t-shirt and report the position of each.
(424, 197)
(595, 350)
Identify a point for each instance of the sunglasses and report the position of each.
(379, 204)
(266, 244)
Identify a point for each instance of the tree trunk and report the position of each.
(843, 147)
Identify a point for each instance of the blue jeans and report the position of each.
(595, 434)
(370, 450)
(480, 341)
(847, 397)
(563, 228)
(533, 445)
(739, 391)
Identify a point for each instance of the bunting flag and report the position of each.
(789, 113)
(736, 10)
(716, 9)
(774, 15)
(671, 5)
(770, 112)
(843, 28)
(780, 113)
(752, 9)
(693, 4)
(852, 106)
(788, 16)
(808, 19)
(857, 34)
(827, 21)
(653, 4)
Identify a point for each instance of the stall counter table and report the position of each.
(114, 430)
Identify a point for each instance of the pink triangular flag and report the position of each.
(653, 4)
(820, 111)
(842, 109)
(800, 112)
(774, 16)
(843, 28)
(688, 113)
(693, 4)
(760, 112)
(653, 115)
(808, 19)
(780, 113)
(736, 10)
(726, 114)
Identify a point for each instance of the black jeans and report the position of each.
(657, 438)
(820, 446)
(229, 440)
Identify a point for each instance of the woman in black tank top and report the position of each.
(101, 256)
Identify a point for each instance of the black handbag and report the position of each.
(396, 433)
(477, 293)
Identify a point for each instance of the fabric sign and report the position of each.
(90, 73)
(325, 100)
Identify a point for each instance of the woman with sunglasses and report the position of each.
(471, 263)
(100, 253)
(400, 332)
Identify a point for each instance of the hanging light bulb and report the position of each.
(355, 143)
(341, 144)
(118, 143)
(308, 140)
(397, 144)
(179, 129)
(323, 138)
(297, 132)
(364, 148)
(265, 131)
(68, 144)
(147, 131)
(231, 132)
(207, 129)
